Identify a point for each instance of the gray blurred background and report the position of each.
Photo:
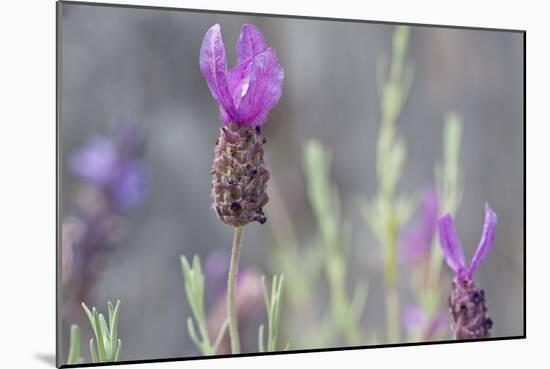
(144, 64)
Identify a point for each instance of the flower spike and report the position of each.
(467, 301)
(245, 94)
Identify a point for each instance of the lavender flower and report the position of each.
(115, 166)
(245, 94)
(249, 90)
(113, 180)
(467, 301)
(415, 243)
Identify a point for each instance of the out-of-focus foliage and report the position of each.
(334, 240)
(194, 289)
(273, 302)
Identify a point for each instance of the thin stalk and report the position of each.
(392, 314)
(231, 286)
(391, 277)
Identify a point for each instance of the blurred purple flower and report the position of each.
(114, 165)
(249, 90)
(416, 321)
(413, 318)
(467, 301)
(114, 179)
(216, 266)
(415, 243)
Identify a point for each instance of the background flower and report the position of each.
(416, 242)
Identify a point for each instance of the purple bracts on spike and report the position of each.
(239, 176)
(468, 311)
(467, 301)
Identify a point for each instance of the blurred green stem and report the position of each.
(449, 187)
(231, 286)
(392, 314)
(389, 212)
(334, 236)
(390, 276)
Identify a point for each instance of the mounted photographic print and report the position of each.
(242, 184)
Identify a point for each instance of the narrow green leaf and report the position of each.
(185, 268)
(117, 352)
(193, 335)
(74, 348)
(99, 336)
(111, 310)
(114, 325)
(219, 338)
(106, 337)
(92, 351)
(266, 296)
(90, 317)
(261, 347)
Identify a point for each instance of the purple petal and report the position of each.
(487, 238)
(238, 80)
(450, 244)
(264, 89)
(251, 42)
(95, 162)
(213, 65)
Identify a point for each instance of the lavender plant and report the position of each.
(467, 301)
(334, 234)
(273, 302)
(113, 179)
(245, 94)
(194, 289)
(107, 341)
(387, 212)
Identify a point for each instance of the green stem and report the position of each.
(392, 294)
(392, 314)
(231, 285)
